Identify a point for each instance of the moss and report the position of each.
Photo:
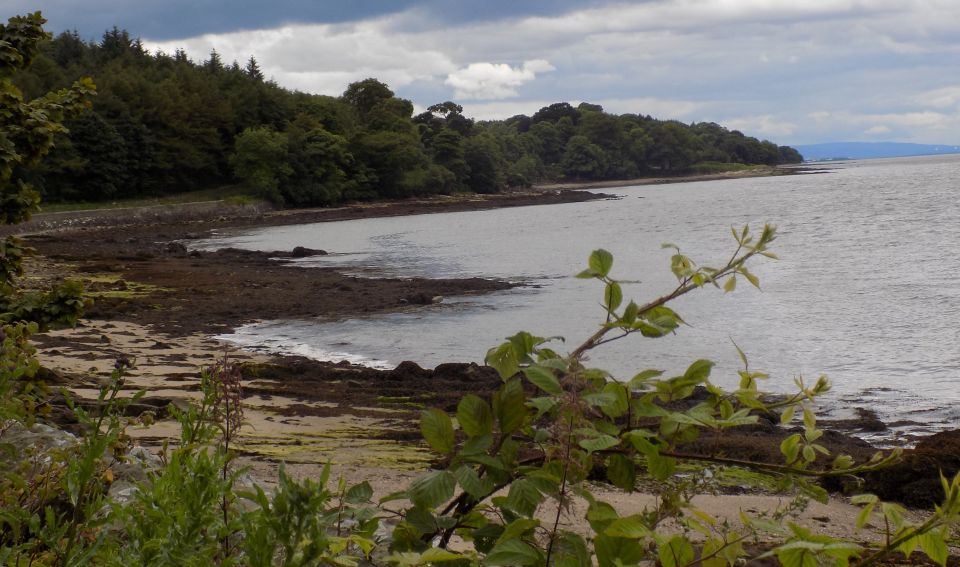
(404, 401)
(113, 286)
(362, 452)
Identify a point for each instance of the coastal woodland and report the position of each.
(162, 124)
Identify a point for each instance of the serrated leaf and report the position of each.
(612, 296)
(437, 429)
(640, 379)
(544, 379)
(475, 416)
(513, 552)
(600, 262)
(504, 360)
(618, 403)
(432, 489)
(699, 371)
(359, 493)
(509, 406)
(472, 484)
(676, 552)
(599, 443)
(523, 497)
(934, 546)
(543, 405)
(622, 472)
(631, 527)
(518, 528)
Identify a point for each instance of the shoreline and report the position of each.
(227, 215)
(162, 304)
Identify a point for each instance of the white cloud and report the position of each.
(492, 81)
(763, 126)
(877, 130)
(813, 70)
(323, 59)
(945, 97)
(658, 108)
(499, 110)
(665, 109)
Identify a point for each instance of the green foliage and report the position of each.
(510, 475)
(163, 124)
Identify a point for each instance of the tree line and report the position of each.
(164, 124)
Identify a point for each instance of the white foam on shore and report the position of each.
(253, 338)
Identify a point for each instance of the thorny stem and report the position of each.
(563, 489)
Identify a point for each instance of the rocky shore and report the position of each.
(159, 304)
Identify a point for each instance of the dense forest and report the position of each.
(163, 124)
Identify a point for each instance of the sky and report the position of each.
(792, 71)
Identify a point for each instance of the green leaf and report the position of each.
(509, 406)
(359, 493)
(699, 371)
(643, 377)
(544, 379)
(599, 443)
(471, 482)
(754, 280)
(933, 544)
(676, 552)
(787, 415)
(630, 313)
(619, 401)
(660, 467)
(504, 360)
(432, 489)
(437, 429)
(523, 497)
(600, 262)
(437, 555)
(632, 527)
(619, 551)
(518, 528)
(730, 285)
(543, 405)
(622, 472)
(513, 552)
(570, 550)
(790, 447)
(475, 416)
(612, 296)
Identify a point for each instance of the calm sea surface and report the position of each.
(867, 290)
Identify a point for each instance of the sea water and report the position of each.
(866, 290)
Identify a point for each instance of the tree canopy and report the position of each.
(164, 124)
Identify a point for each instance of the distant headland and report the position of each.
(870, 150)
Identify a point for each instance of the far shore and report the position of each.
(224, 214)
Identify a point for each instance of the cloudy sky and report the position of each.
(793, 71)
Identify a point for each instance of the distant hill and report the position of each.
(869, 150)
